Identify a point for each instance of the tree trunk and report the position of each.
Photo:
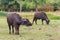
(20, 5)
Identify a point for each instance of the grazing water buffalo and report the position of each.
(42, 16)
(14, 21)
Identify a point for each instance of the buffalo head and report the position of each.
(47, 21)
(26, 22)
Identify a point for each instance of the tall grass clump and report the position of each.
(53, 17)
(3, 14)
(31, 15)
(50, 16)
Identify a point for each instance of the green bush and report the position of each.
(28, 6)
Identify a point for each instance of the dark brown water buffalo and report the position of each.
(42, 16)
(14, 21)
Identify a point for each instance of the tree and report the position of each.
(5, 3)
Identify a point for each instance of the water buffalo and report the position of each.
(15, 20)
(42, 16)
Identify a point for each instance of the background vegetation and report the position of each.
(30, 15)
(28, 5)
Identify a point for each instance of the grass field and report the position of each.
(35, 32)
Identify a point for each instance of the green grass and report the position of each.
(53, 17)
(34, 32)
(50, 16)
(3, 13)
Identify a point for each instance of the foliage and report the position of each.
(27, 5)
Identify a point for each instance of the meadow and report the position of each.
(34, 32)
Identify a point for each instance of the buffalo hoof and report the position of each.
(9, 32)
(12, 32)
(16, 33)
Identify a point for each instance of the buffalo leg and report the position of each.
(35, 21)
(9, 29)
(12, 29)
(17, 30)
(42, 21)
